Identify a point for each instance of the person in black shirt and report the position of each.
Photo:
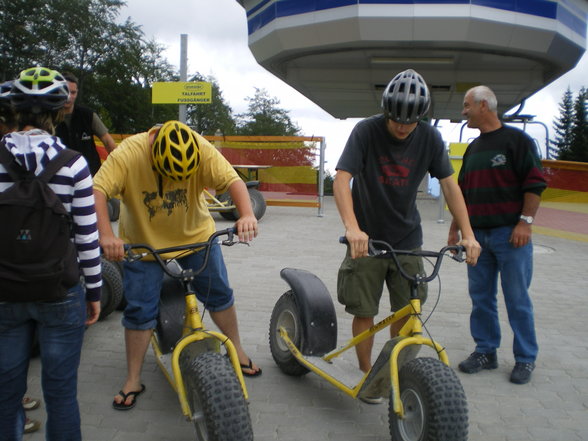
(79, 127)
(387, 156)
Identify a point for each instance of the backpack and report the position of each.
(38, 259)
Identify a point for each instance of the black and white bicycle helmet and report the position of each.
(406, 99)
(39, 89)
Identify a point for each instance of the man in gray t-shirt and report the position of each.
(387, 156)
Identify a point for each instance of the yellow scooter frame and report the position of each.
(190, 355)
(194, 332)
(410, 334)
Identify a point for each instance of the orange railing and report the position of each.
(289, 175)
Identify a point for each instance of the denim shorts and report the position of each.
(360, 283)
(143, 280)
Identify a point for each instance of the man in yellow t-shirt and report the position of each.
(160, 176)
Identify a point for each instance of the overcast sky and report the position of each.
(217, 46)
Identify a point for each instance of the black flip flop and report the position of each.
(134, 394)
(250, 366)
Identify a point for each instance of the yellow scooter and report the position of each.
(207, 379)
(427, 400)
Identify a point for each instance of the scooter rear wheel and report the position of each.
(258, 204)
(286, 314)
(435, 405)
(219, 410)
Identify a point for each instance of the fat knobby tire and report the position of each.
(258, 204)
(112, 288)
(230, 214)
(216, 398)
(435, 405)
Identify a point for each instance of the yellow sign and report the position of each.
(193, 92)
(456, 152)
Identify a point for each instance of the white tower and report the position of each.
(341, 53)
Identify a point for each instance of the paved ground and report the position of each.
(563, 219)
(553, 407)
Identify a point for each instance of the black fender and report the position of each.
(252, 184)
(317, 312)
(172, 307)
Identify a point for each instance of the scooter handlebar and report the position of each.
(380, 248)
(186, 273)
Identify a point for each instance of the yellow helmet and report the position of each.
(175, 151)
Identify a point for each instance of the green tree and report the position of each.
(81, 33)
(207, 119)
(78, 33)
(264, 117)
(563, 124)
(119, 89)
(116, 67)
(328, 183)
(114, 63)
(578, 150)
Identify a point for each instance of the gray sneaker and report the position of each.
(478, 361)
(31, 425)
(521, 373)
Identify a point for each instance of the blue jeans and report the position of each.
(515, 266)
(60, 329)
(142, 286)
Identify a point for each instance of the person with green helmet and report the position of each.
(37, 96)
(7, 125)
(378, 175)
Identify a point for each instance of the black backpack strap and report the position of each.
(53, 166)
(14, 169)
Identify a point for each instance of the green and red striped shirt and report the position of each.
(498, 168)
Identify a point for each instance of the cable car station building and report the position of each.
(341, 53)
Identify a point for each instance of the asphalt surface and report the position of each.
(552, 407)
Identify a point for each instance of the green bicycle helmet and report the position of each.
(175, 151)
(39, 89)
(406, 99)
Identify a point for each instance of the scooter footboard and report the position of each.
(317, 312)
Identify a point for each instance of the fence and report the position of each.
(567, 181)
(287, 167)
(288, 173)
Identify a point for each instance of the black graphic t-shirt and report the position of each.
(386, 177)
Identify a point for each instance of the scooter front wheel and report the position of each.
(219, 410)
(112, 288)
(434, 402)
(286, 314)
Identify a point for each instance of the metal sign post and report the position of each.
(183, 72)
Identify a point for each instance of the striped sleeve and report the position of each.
(73, 185)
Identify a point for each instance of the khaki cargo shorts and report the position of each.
(360, 283)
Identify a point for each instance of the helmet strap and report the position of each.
(160, 185)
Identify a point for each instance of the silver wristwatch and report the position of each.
(527, 219)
